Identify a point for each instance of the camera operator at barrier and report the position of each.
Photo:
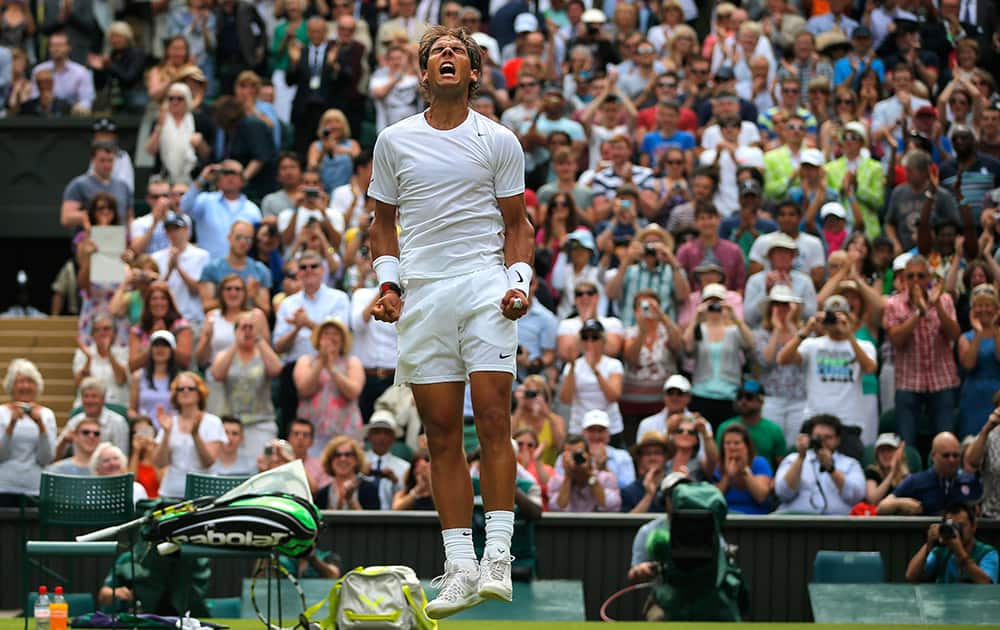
(818, 479)
(952, 553)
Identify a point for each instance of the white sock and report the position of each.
(458, 547)
(499, 530)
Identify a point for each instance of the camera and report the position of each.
(25, 408)
(646, 310)
(948, 529)
(326, 133)
(268, 451)
(829, 318)
(531, 393)
(312, 221)
(715, 307)
(579, 458)
(649, 250)
(312, 193)
(363, 250)
(815, 443)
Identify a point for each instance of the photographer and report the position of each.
(583, 487)
(834, 362)
(214, 213)
(818, 479)
(311, 206)
(952, 553)
(649, 263)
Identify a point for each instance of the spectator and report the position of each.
(85, 437)
(374, 346)
(858, 178)
(979, 356)
(28, 437)
(691, 449)
(742, 476)
(888, 470)
(175, 63)
(642, 496)
(848, 69)
(214, 213)
(730, 152)
(182, 264)
(247, 93)
(329, 382)
(333, 152)
(834, 362)
(921, 326)
(311, 206)
(983, 458)
(119, 73)
(387, 469)
(907, 200)
(351, 488)
(931, 491)
(196, 22)
(234, 460)
(665, 134)
(718, 341)
(606, 457)
(774, 120)
(98, 297)
(781, 163)
(104, 360)
(651, 354)
(573, 269)
(972, 174)
(952, 554)
(109, 460)
(72, 82)
(289, 179)
(81, 190)
(190, 439)
(727, 254)
(810, 256)
(766, 438)
(150, 388)
(177, 142)
(255, 274)
(394, 86)
(349, 200)
(241, 37)
(583, 487)
(529, 458)
(17, 90)
(532, 411)
(147, 233)
(676, 397)
(708, 272)
(43, 103)
(836, 20)
(648, 264)
(245, 370)
(784, 384)
(245, 139)
(593, 381)
(608, 179)
(817, 478)
(747, 225)
(159, 312)
(93, 396)
(780, 251)
(140, 462)
(417, 493)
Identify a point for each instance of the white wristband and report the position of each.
(519, 277)
(386, 269)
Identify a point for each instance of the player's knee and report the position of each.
(493, 424)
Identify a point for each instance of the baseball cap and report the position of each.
(782, 241)
(165, 336)
(175, 220)
(832, 208)
(525, 23)
(592, 325)
(860, 32)
(836, 304)
(887, 439)
(709, 265)
(677, 381)
(596, 418)
(752, 386)
(105, 125)
(714, 290)
(857, 128)
(780, 293)
(583, 238)
(382, 419)
(899, 262)
(813, 157)
(750, 187)
(593, 16)
(927, 110)
(487, 42)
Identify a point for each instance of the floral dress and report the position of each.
(330, 412)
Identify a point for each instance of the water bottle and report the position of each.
(42, 609)
(58, 611)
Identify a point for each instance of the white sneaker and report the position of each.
(494, 577)
(458, 589)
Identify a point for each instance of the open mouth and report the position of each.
(447, 69)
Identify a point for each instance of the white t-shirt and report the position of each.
(833, 378)
(445, 184)
(401, 101)
(749, 134)
(589, 395)
(192, 260)
(727, 198)
(184, 456)
(809, 257)
(101, 368)
(598, 136)
(340, 201)
(302, 218)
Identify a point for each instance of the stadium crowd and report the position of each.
(767, 249)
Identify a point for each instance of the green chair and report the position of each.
(197, 485)
(224, 607)
(78, 502)
(848, 567)
(913, 461)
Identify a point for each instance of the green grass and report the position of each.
(247, 624)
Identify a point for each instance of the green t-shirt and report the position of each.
(767, 436)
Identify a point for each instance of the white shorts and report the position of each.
(453, 327)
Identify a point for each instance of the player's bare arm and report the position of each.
(519, 255)
(385, 257)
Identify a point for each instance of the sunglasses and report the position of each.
(290, 276)
(186, 388)
(590, 337)
(952, 455)
(588, 292)
(683, 431)
(747, 396)
(673, 391)
(795, 128)
(916, 276)
(526, 445)
(344, 455)
(175, 99)
(644, 51)
(90, 433)
(308, 267)
(852, 137)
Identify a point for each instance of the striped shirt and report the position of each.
(639, 277)
(925, 362)
(607, 182)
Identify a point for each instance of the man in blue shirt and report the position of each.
(666, 134)
(215, 212)
(850, 67)
(952, 553)
(255, 274)
(931, 491)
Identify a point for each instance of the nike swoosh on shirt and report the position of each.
(506, 356)
(519, 278)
